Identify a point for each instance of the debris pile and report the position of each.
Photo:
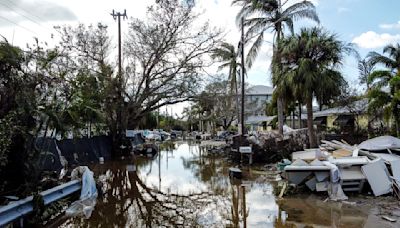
(271, 147)
(337, 167)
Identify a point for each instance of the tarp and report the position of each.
(75, 151)
(380, 143)
(87, 201)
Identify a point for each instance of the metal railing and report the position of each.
(18, 209)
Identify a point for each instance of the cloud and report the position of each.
(372, 39)
(390, 26)
(33, 10)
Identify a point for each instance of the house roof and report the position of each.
(258, 119)
(359, 106)
(260, 90)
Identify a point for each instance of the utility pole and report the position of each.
(242, 41)
(120, 96)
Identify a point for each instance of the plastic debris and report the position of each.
(389, 219)
(87, 201)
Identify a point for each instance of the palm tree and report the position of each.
(227, 55)
(310, 60)
(330, 88)
(365, 68)
(390, 101)
(272, 15)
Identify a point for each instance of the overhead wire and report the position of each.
(24, 16)
(20, 8)
(6, 19)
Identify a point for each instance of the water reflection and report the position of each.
(187, 186)
(307, 210)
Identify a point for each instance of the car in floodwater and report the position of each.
(140, 144)
(175, 134)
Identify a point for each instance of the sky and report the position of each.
(369, 24)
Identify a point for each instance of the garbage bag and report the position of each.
(87, 201)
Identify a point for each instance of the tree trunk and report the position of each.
(300, 115)
(310, 124)
(280, 115)
(293, 120)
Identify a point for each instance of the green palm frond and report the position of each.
(392, 50)
(263, 15)
(382, 76)
(305, 13)
(255, 48)
(256, 26)
(224, 65)
(376, 58)
(304, 5)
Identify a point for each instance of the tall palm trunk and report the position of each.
(310, 122)
(280, 98)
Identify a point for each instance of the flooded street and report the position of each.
(186, 186)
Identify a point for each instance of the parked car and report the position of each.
(175, 134)
(154, 135)
(164, 135)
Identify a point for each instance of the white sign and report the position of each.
(245, 149)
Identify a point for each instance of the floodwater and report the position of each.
(187, 186)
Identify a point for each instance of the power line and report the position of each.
(6, 19)
(25, 16)
(18, 7)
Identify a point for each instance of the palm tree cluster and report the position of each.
(305, 66)
(384, 84)
(310, 69)
(262, 16)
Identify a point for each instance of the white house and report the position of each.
(256, 98)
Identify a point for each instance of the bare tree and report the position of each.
(165, 55)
